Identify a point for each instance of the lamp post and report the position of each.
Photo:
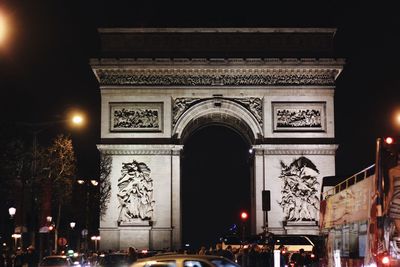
(95, 239)
(72, 225)
(88, 184)
(12, 212)
(49, 220)
(16, 237)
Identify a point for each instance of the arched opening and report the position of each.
(216, 183)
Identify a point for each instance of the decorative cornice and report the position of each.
(218, 30)
(98, 63)
(140, 149)
(298, 78)
(295, 149)
(218, 71)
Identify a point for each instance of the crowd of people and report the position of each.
(260, 256)
(250, 256)
(246, 256)
(21, 258)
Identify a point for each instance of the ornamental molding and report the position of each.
(295, 149)
(217, 76)
(217, 71)
(209, 62)
(140, 149)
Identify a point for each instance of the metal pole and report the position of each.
(378, 175)
(243, 230)
(87, 215)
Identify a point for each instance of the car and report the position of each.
(116, 259)
(80, 260)
(56, 260)
(184, 260)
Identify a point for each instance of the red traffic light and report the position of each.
(389, 140)
(244, 215)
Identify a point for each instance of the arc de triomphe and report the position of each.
(275, 86)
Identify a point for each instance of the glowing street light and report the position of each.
(398, 118)
(71, 235)
(389, 140)
(77, 119)
(96, 239)
(16, 237)
(12, 211)
(3, 28)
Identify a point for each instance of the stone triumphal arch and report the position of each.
(275, 86)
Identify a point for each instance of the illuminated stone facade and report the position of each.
(153, 97)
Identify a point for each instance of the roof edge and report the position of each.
(217, 30)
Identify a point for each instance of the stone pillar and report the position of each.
(259, 186)
(176, 218)
(278, 165)
(162, 228)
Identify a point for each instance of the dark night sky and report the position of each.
(44, 68)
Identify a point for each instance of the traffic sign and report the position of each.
(62, 241)
(85, 232)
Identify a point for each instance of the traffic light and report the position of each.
(390, 151)
(391, 143)
(389, 140)
(244, 216)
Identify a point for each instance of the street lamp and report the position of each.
(49, 220)
(16, 237)
(95, 239)
(12, 211)
(3, 28)
(77, 119)
(88, 183)
(72, 225)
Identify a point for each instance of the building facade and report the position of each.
(274, 86)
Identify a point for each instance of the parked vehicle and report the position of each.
(80, 260)
(118, 259)
(185, 260)
(56, 261)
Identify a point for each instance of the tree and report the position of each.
(57, 175)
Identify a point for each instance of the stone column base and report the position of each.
(302, 228)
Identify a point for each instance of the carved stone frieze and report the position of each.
(301, 149)
(140, 149)
(138, 79)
